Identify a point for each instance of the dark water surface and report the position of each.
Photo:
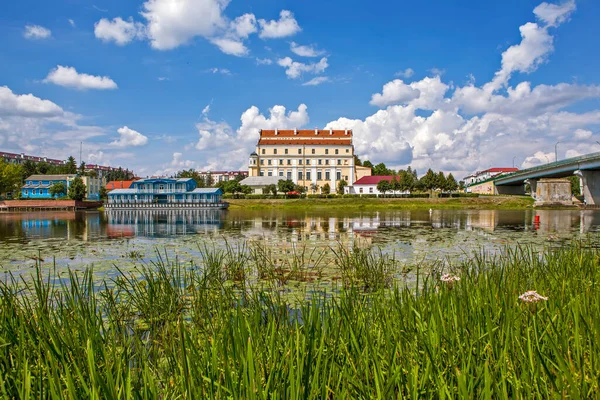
(106, 239)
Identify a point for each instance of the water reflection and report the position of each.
(130, 223)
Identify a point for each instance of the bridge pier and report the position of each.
(510, 190)
(590, 186)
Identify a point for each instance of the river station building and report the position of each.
(309, 158)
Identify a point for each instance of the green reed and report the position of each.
(183, 331)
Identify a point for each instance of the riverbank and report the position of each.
(48, 205)
(472, 203)
(520, 325)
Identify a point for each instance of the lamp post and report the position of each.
(556, 151)
(514, 161)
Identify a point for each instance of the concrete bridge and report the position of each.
(586, 167)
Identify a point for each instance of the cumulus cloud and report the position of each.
(118, 30)
(244, 25)
(294, 69)
(230, 46)
(222, 71)
(264, 61)
(72, 23)
(285, 26)
(305, 50)
(26, 105)
(554, 14)
(394, 92)
(582, 134)
(36, 32)
(316, 81)
(129, 138)
(537, 159)
(69, 77)
(427, 93)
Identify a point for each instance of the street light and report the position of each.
(514, 161)
(556, 151)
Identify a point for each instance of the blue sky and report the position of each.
(161, 85)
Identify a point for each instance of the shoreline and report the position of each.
(474, 203)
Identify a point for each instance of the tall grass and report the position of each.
(171, 331)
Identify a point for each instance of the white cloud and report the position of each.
(206, 110)
(582, 134)
(295, 69)
(316, 81)
(37, 32)
(537, 159)
(173, 23)
(437, 71)
(305, 51)
(71, 22)
(69, 77)
(118, 30)
(394, 92)
(407, 73)
(129, 138)
(26, 105)
(230, 46)
(285, 26)
(253, 120)
(215, 70)
(264, 61)
(427, 93)
(554, 14)
(244, 25)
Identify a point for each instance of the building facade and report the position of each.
(38, 186)
(165, 193)
(221, 176)
(368, 185)
(309, 158)
(489, 173)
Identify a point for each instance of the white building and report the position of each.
(258, 183)
(368, 185)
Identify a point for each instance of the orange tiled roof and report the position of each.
(303, 141)
(321, 133)
(118, 185)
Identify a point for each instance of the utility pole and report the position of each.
(556, 151)
(80, 152)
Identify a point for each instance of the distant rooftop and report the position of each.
(373, 180)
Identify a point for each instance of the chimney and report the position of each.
(316, 131)
(295, 131)
(260, 131)
(345, 131)
(330, 131)
(276, 132)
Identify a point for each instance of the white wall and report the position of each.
(370, 189)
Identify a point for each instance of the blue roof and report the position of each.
(207, 190)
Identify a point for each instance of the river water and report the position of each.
(127, 238)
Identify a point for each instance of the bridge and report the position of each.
(586, 167)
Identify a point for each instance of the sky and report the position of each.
(163, 85)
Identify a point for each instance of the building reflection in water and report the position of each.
(129, 223)
(23, 227)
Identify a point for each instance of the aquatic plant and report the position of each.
(175, 330)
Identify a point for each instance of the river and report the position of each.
(127, 238)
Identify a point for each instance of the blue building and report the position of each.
(165, 193)
(38, 186)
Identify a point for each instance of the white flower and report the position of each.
(448, 278)
(532, 297)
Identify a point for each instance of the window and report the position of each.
(34, 191)
(300, 161)
(338, 176)
(326, 151)
(299, 151)
(360, 190)
(280, 173)
(313, 151)
(289, 162)
(286, 151)
(320, 161)
(370, 190)
(327, 176)
(262, 173)
(347, 150)
(319, 176)
(281, 161)
(274, 151)
(337, 151)
(270, 173)
(300, 177)
(262, 162)
(308, 175)
(26, 192)
(263, 151)
(269, 162)
(339, 162)
(327, 162)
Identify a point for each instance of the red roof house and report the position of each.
(112, 185)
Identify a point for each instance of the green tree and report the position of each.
(368, 164)
(396, 183)
(440, 181)
(451, 184)
(285, 185)
(272, 188)
(357, 161)
(11, 177)
(71, 166)
(429, 180)
(299, 188)
(103, 193)
(29, 168)
(82, 168)
(326, 189)
(461, 185)
(575, 185)
(191, 173)
(314, 187)
(407, 181)
(384, 186)
(58, 189)
(246, 189)
(77, 189)
(340, 186)
(381, 170)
